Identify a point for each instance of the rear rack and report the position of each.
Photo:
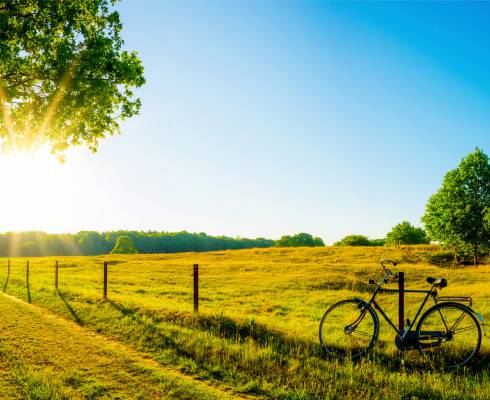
(457, 299)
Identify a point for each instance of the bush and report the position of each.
(124, 245)
(354, 240)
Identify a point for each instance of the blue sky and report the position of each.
(263, 119)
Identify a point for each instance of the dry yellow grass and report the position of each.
(260, 308)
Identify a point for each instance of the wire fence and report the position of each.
(239, 289)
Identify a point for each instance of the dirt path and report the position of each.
(44, 356)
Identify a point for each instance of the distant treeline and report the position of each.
(28, 244)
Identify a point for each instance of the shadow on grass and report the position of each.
(6, 280)
(157, 338)
(72, 311)
(411, 361)
(240, 331)
(228, 328)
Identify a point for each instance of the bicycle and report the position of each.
(448, 333)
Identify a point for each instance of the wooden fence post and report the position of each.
(8, 267)
(105, 280)
(56, 276)
(401, 301)
(196, 288)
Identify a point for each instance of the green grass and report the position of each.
(256, 333)
(47, 357)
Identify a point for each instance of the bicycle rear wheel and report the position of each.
(348, 329)
(449, 335)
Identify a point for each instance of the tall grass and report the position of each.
(260, 309)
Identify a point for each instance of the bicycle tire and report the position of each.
(441, 338)
(334, 329)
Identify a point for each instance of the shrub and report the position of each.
(124, 245)
(354, 240)
(377, 242)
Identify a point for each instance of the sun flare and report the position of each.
(33, 184)
(25, 172)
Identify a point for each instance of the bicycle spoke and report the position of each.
(467, 328)
(461, 317)
(361, 333)
(443, 320)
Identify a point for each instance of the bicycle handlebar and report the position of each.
(388, 271)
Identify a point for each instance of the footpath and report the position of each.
(43, 356)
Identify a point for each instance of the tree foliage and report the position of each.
(359, 240)
(457, 215)
(299, 240)
(377, 242)
(353, 240)
(406, 233)
(30, 249)
(124, 245)
(64, 76)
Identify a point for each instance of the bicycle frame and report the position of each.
(420, 334)
(379, 289)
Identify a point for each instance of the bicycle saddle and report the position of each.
(438, 282)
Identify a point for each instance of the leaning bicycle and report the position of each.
(448, 334)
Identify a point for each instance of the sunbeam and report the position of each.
(6, 117)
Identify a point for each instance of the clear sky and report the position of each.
(263, 119)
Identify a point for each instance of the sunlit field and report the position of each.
(257, 330)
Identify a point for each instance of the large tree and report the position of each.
(65, 78)
(456, 215)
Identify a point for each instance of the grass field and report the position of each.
(255, 336)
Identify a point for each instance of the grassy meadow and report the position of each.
(256, 335)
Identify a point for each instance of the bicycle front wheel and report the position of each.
(449, 335)
(348, 329)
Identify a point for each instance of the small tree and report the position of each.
(406, 233)
(353, 240)
(456, 215)
(299, 240)
(124, 245)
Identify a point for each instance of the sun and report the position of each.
(27, 168)
(30, 181)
